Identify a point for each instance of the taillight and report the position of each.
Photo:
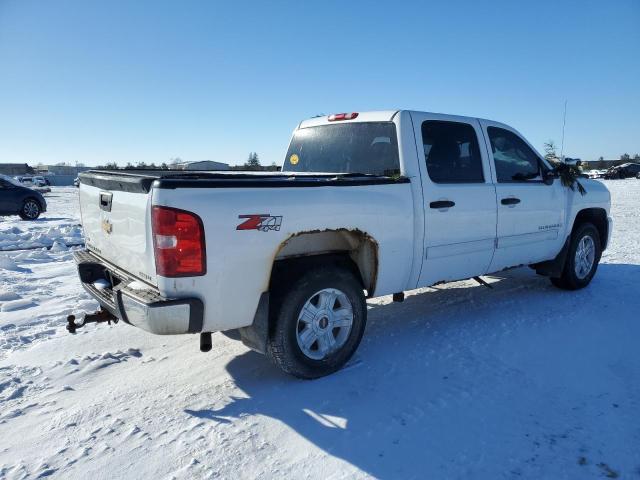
(342, 116)
(178, 242)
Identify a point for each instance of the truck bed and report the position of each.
(141, 181)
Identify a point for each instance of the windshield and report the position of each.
(370, 147)
(11, 180)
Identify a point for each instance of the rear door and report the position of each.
(530, 212)
(459, 196)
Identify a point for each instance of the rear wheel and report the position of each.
(582, 259)
(30, 209)
(318, 322)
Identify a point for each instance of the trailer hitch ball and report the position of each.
(205, 342)
(71, 324)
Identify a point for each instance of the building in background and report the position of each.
(200, 165)
(13, 169)
(61, 169)
(59, 175)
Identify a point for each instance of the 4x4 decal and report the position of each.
(260, 221)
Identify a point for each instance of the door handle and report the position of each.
(510, 201)
(105, 201)
(442, 204)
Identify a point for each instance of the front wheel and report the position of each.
(30, 209)
(582, 259)
(319, 321)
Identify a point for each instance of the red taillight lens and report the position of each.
(178, 242)
(342, 116)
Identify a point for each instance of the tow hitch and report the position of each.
(98, 316)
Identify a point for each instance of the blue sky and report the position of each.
(125, 81)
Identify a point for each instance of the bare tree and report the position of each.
(551, 151)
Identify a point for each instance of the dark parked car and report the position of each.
(626, 170)
(16, 199)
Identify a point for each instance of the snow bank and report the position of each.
(15, 305)
(60, 223)
(59, 246)
(7, 263)
(40, 236)
(6, 295)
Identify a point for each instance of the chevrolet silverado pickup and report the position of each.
(366, 204)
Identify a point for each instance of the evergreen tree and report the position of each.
(253, 162)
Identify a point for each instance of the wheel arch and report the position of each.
(353, 248)
(596, 216)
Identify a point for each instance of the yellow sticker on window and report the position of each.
(293, 159)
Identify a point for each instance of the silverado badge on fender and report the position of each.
(260, 221)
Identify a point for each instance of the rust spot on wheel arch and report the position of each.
(356, 251)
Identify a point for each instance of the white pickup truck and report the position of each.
(366, 204)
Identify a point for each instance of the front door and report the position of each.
(459, 195)
(530, 212)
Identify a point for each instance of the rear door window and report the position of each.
(451, 152)
(366, 147)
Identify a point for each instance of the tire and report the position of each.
(30, 209)
(580, 267)
(316, 305)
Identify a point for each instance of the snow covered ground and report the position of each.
(459, 381)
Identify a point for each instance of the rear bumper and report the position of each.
(136, 303)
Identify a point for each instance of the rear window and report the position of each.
(370, 147)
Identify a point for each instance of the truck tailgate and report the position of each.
(117, 228)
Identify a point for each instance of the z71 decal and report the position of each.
(262, 222)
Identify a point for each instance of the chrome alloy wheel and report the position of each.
(324, 323)
(585, 257)
(31, 209)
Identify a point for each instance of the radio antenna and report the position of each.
(564, 121)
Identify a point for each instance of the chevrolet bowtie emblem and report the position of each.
(107, 227)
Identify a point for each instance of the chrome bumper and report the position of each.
(144, 308)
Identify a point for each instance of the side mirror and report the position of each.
(548, 177)
(573, 161)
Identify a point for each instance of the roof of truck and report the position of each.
(383, 116)
(375, 116)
